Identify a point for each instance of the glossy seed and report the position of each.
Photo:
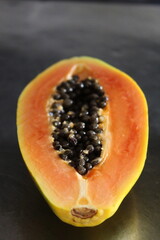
(63, 156)
(102, 104)
(57, 124)
(91, 133)
(57, 96)
(94, 119)
(63, 90)
(98, 130)
(64, 131)
(69, 152)
(82, 133)
(57, 145)
(67, 102)
(81, 170)
(93, 126)
(95, 161)
(72, 139)
(78, 137)
(81, 162)
(88, 166)
(90, 148)
(96, 142)
(80, 125)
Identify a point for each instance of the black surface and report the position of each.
(32, 37)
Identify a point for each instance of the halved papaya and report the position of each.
(83, 192)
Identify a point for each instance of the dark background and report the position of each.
(34, 35)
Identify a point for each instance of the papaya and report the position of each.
(83, 132)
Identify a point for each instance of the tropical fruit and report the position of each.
(83, 132)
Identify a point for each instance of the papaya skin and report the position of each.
(126, 155)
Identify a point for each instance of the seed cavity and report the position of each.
(76, 116)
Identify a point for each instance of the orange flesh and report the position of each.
(128, 121)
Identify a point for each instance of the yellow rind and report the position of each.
(64, 214)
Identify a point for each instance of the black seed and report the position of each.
(79, 147)
(57, 145)
(84, 157)
(98, 130)
(57, 96)
(56, 113)
(94, 109)
(81, 162)
(88, 143)
(96, 142)
(78, 137)
(81, 85)
(63, 156)
(91, 133)
(87, 83)
(63, 90)
(84, 107)
(95, 161)
(93, 96)
(88, 166)
(75, 78)
(98, 148)
(92, 156)
(93, 126)
(94, 137)
(55, 135)
(70, 89)
(82, 133)
(65, 144)
(84, 138)
(83, 113)
(94, 119)
(93, 103)
(104, 99)
(65, 117)
(92, 80)
(65, 96)
(69, 152)
(57, 124)
(101, 93)
(72, 95)
(80, 125)
(81, 170)
(72, 82)
(102, 104)
(67, 102)
(85, 118)
(98, 87)
(72, 139)
(56, 105)
(90, 148)
(72, 164)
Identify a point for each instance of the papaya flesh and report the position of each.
(89, 199)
